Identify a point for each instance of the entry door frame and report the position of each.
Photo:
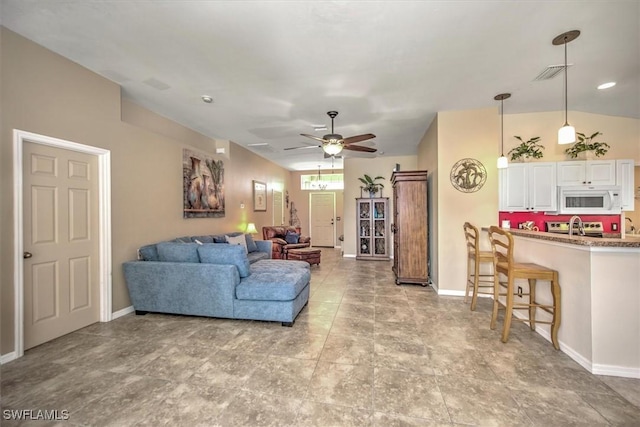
(318, 193)
(104, 225)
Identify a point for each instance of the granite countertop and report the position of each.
(614, 242)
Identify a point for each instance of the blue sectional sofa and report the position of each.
(217, 280)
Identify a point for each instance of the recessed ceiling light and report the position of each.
(319, 128)
(607, 85)
(257, 144)
(207, 99)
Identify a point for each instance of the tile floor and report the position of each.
(364, 352)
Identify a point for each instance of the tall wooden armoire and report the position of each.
(410, 243)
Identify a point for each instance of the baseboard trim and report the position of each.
(123, 312)
(348, 255)
(594, 368)
(6, 358)
(451, 293)
(616, 371)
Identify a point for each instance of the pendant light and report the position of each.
(567, 133)
(503, 162)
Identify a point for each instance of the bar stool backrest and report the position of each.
(473, 240)
(501, 246)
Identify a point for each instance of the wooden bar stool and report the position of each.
(502, 248)
(475, 280)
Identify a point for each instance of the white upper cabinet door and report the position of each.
(589, 172)
(513, 193)
(543, 190)
(625, 179)
(571, 173)
(601, 172)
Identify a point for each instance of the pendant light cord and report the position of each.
(566, 89)
(502, 128)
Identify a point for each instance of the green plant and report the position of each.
(370, 184)
(526, 149)
(586, 143)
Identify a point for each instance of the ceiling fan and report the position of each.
(334, 143)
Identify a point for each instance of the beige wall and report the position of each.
(622, 134)
(428, 160)
(47, 94)
(301, 199)
(461, 134)
(355, 168)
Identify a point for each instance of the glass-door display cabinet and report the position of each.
(372, 228)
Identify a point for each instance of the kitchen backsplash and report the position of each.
(540, 219)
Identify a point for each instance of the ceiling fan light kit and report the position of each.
(567, 133)
(333, 143)
(332, 148)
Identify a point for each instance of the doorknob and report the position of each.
(27, 255)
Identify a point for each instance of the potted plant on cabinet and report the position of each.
(529, 149)
(585, 147)
(371, 185)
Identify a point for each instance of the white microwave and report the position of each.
(593, 200)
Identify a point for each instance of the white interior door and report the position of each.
(322, 208)
(278, 210)
(61, 242)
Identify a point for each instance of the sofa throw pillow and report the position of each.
(237, 240)
(148, 253)
(216, 253)
(202, 239)
(178, 252)
(219, 239)
(251, 245)
(291, 238)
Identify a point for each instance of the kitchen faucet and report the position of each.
(632, 229)
(580, 225)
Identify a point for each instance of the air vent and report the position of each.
(550, 72)
(156, 84)
(266, 148)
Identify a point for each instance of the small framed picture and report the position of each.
(259, 196)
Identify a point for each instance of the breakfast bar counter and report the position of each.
(631, 241)
(600, 283)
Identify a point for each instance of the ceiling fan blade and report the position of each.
(313, 137)
(358, 138)
(303, 148)
(360, 148)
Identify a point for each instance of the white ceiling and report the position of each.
(274, 68)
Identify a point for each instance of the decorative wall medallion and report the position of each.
(468, 175)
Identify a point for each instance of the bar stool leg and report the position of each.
(508, 310)
(476, 280)
(532, 302)
(555, 290)
(466, 294)
(496, 295)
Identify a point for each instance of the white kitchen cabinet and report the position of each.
(528, 187)
(587, 172)
(625, 179)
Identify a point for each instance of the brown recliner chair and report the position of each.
(280, 247)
